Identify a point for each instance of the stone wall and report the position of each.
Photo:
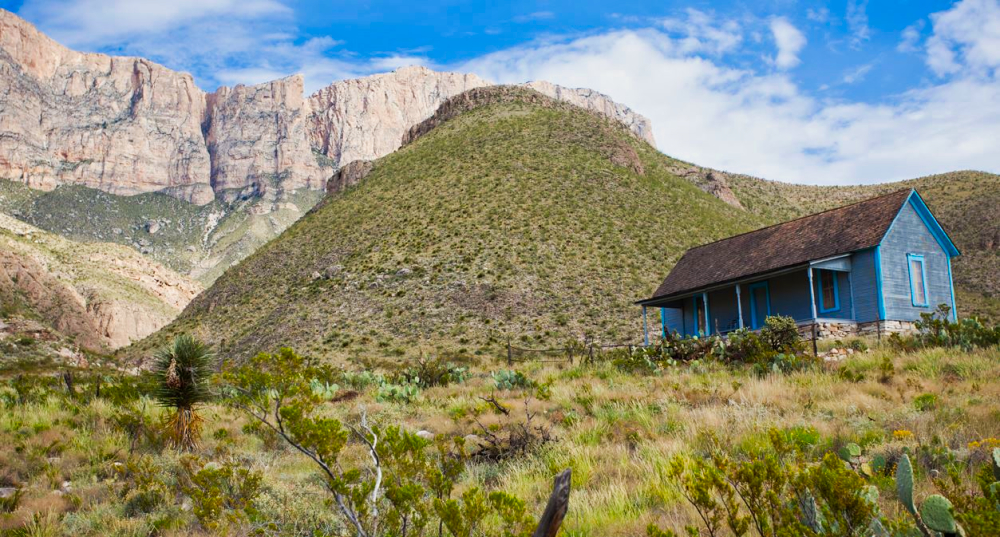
(841, 330)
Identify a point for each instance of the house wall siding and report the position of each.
(843, 293)
(790, 295)
(865, 286)
(722, 310)
(674, 320)
(909, 235)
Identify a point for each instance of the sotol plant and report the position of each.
(182, 373)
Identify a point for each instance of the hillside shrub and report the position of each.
(221, 494)
(936, 329)
(435, 371)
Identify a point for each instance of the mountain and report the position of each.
(101, 295)
(508, 214)
(126, 125)
(254, 157)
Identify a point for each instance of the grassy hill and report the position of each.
(523, 218)
(964, 202)
(513, 216)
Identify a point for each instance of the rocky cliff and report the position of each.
(128, 125)
(124, 125)
(104, 295)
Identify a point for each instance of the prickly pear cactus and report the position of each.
(996, 463)
(904, 484)
(850, 453)
(937, 514)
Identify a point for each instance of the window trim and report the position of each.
(910, 258)
(836, 291)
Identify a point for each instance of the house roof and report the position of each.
(830, 233)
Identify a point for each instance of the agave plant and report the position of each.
(182, 372)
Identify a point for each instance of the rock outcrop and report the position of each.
(127, 125)
(257, 136)
(123, 125)
(105, 296)
(349, 175)
(594, 101)
(365, 118)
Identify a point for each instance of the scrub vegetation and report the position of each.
(710, 437)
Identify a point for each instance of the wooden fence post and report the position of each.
(591, 352)
(555, 510)
(510, 353)
(570, 349)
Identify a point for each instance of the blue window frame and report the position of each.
(829, 291)
(918, 280)
(755, 320)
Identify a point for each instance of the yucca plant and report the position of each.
(182, 373)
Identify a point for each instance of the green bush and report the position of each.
(925, 402)
(937, 330)
(781, 334)
(221, 494)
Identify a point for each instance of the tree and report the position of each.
(183, 373)
(406, 487)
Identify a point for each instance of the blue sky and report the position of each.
(817, 92)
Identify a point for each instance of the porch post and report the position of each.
(663, 323)
(850, 284)
(739, 305)
(645, 328)
(812, 292)
(708, 322)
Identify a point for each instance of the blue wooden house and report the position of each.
(873, 266)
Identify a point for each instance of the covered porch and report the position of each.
(816, 292)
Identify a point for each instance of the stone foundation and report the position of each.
(846, 329)
(886, 327)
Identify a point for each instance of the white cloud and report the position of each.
(820, 15)
(910, 38)
(857, 22)
(220, 41)
(858, 74)
(699, 33)
(966, 39)
(789, 41)
(762, 123)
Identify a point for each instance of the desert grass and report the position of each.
(617, 431)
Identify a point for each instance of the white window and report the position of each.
(918, 280)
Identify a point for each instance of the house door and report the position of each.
(760, 304)
(699, 317)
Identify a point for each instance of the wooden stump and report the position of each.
(555, 511)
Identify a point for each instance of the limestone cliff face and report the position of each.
(127, 125)
(123, 125)
(365, 118)
(594, 101)
(257, 137)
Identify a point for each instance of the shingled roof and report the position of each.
(838, 231)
